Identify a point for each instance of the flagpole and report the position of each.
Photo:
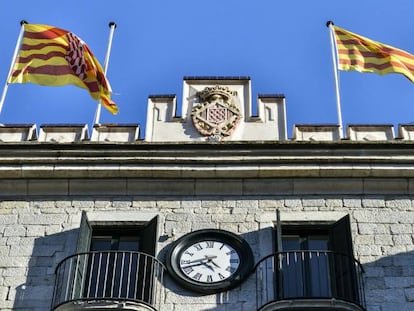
(329, 24)
(112, 27)
(16, 50)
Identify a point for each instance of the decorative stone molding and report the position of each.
(315, 132)
(406, 131)
(17, 132)
(115, 133)
(370, 132)
(63, 133)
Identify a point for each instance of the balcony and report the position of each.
(309, 280)
(108, 279)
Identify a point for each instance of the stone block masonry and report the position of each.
(35, 235)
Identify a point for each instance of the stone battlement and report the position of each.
(128, 133)
(213, 109)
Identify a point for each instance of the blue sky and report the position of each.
(283, 46)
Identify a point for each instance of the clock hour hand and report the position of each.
(210, 259)
(214, 264)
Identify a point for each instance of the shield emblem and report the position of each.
(216, 116)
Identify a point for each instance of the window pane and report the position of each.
(101, 243)
(127, 243)
(318, 242)
(305, 273)
(290, 243)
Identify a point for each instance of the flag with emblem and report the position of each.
(52, 56)
(358, 53)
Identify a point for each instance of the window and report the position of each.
(316, 261)
(118, 260)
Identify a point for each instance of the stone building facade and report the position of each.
(329, 221)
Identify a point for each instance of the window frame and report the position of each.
(147, 245)
(339, 242)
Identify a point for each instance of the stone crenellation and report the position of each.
(66, 133)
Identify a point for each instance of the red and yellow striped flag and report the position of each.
(364, 55)
(53, 56)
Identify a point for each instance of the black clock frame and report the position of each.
(238, 243)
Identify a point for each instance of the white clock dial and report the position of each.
(209, 261)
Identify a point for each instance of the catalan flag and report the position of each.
(358, 53)
(52, 56)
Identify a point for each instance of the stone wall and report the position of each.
(35, 235)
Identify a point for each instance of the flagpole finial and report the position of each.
(22, 22)
(329, 23)
(112, 24)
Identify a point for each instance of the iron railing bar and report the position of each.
(76, 278)
(113, 274)
(106, 273)
(68, 281)
(122, 275)
(155, 282)
(98, 274)
(85, 262)
(137, 276)
(151, 282)
(143, 279)
(129, 275)
(90, 275)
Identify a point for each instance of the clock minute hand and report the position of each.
(194, 264)
(201, 259)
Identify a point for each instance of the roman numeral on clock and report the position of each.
(188, 270)
(209, 244)
(197, 276)
(198, 247)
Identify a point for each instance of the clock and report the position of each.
(210, 260)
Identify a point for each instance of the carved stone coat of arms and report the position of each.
(216, 116)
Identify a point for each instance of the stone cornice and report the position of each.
(206, 160)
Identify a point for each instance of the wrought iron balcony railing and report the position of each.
(108, 276)
(309, 276)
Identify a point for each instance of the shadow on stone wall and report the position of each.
(388, 282)
(37, 291)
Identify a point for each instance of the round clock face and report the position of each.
(210, 260)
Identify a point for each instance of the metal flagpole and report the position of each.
(112, 27)
(16, 50)
(329, 24)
